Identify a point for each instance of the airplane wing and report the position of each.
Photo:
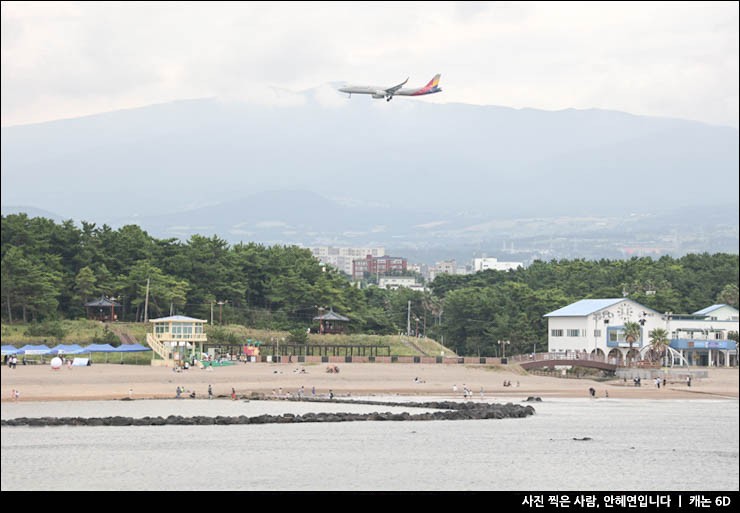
(391, 90)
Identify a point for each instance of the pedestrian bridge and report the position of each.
(540, 360)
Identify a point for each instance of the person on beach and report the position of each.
(331, 394)
(210, 392)
(592, 392)
(233, 394)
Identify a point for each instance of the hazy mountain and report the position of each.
(366, 171)
(31, 212)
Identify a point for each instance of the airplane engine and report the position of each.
(379, 94)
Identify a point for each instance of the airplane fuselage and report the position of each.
(379, 92)
(398, 90)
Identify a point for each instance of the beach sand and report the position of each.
(115, 381)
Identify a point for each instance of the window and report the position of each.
(597, 333)
(556, 333)
(574, 333)
(182, 330)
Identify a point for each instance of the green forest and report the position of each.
(50, 270)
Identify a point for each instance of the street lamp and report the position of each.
(220, 310)
(503, 343)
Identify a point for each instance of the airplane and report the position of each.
(397, 90)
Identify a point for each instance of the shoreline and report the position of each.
(115, 382)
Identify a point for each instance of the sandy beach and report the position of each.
(115, 381)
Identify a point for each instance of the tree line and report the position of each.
(50, 270)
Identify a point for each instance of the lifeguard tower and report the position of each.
(175, 339)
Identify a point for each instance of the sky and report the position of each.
(669, 59)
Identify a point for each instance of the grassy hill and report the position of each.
(85, 332)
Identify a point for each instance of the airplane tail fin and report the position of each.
(434, 82)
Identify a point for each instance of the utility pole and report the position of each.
(146, 302)
(408, 321)
(211, 313)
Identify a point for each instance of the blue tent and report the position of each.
(99, 348)
(31, 349)
(67, 349)
(130, 348)
(9, 350)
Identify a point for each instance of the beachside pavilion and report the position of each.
(331, 322)
(596, 327)
(175, 338)
(102, 309)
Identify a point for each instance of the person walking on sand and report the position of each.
(233, 394)
(210, 391)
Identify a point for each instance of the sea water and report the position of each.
(569, 444)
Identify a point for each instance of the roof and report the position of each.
(103, 301)
(707, 310)
(177, 318)
(67, 349)
(584, 307)
(331, 316)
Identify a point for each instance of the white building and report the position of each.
(719, 312)
(596, 326)
(342, 258)
(394, 282)
(483, 264)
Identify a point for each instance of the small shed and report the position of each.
(102, 309)
(331, 322)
